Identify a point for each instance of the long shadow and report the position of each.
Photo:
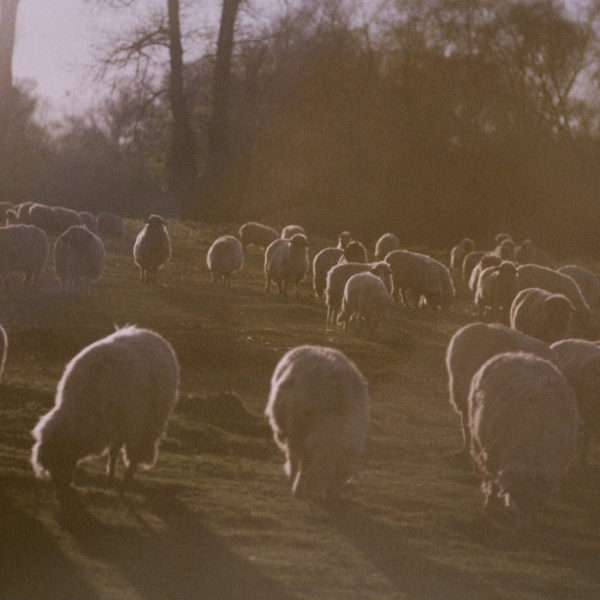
(185, 560)
(417, 576)
(31, 565)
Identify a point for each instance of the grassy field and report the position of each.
(215, 518)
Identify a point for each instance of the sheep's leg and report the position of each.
(267, 285)
(113, 453)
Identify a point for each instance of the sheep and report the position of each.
(417, 274)
(506, 250)
(225, 256)
(528, 254)
(343, 240)
(579, 362)
(458, 253)
(322, 263)
(531, 276)
(152, 248)
(487, 260)
(4, 207)
(365, 299)
(23, 213)
(354, 252)
(23, 249)
(286, 261)
(78, 256)
(89, 220)
(500, 237)
(318, 409)
(541, 314)
(3, 350)
(448, 290)
(469, 263)
(65, 218)
(387, 243)
(116, 393)
(587, 281)
(473, 345)
(524, 426)
(339, 275)
(290, 230)
(44, 217)
(258, 234)
(11, 217)
(496, 289)
(110, 225)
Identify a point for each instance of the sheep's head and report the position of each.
(299, 241)
(501, 237)
(467, 245)
(344, 239)
(155, 221)
(489, 260)
(506, 250)
(355, 252)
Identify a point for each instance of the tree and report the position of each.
(8, 20)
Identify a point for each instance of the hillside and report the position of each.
(215, 518)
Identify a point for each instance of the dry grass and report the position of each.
(215, 518)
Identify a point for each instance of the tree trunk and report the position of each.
(8, 20)
(181, 161)
(218, 127)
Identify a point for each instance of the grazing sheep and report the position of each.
(23, 213)
(487, 260)
(45, 218)
(322, 263)
(258, 234)
(528, 254)
(116, 393)
(448, 290)
(387, 243)
(579, 362)
(506, 250)
(78, 257)
(367, 300)
(458, 253)
(355, 252)
(23, 249)
(343, 240)
(225, 256)
(290, 230)
(89, 220)
(11, 217)
(286, 261)
(110, 224)
(415, 274)
(3, 350)
(496, 290)
(501, 237)
(535, 276)
(339, 275)
(587, 281)
(152, 248)
(469, 263)
(524, 426)
(472, 346)
(65, 218)
(318, 409)
(541, 314)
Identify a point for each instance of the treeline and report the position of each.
(432, 119)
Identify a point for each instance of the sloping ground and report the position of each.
(215, 518)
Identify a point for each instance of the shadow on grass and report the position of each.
(182, 559)
(31, 564)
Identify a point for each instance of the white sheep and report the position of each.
(322, 263)
(487, 260)
(529, 254)
(588, 283)
(458, 253)
(290, 230)
(45, 218)
(110, 225)
(344, 239)
(496, 289)
(387, 243)
(286, 261)
(415, 274)
(506, 250)
(469, 263)
(524, 426)
(318, 409)
(541, 314)
(339, 275)
(473, 345)
(89, 220)
(23, 212)
(257, 234)
(152, 248)
(367, 300)
(535, 276)
(116, 393)
(65, 218)
(354, 252)
(78, 257)
(579, 362)
(224, 257)
(23, 249)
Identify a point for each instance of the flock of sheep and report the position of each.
(525, 383)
